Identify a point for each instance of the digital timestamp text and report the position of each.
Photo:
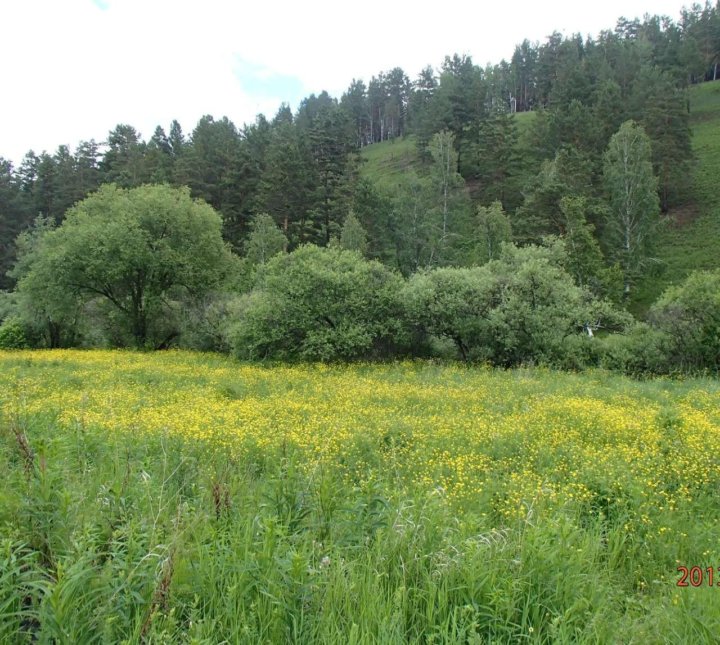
(699, 577)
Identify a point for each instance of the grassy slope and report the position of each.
(385, 163)
(691, 240)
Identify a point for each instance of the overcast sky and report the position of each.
(73, 69)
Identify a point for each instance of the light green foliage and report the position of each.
(454, 303)
(689, 314)
(12, 334)
(50, 313)
(492, 229)
(353, 236)
(429, 222)
(447, 195)
(540, 307)
(138, 253)
(634, 206)
(521, 308)
(265, 240)
(319, 304)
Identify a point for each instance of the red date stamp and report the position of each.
(699, 576)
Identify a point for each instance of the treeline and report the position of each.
(148, 268)
(300, 167)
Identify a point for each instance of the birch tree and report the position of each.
(634, 205)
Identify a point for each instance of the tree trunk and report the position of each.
(140, 329)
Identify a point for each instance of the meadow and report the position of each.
(179, 497)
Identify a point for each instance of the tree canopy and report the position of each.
(136, 251)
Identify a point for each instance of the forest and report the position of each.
(547, 178)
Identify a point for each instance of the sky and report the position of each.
(74, 69)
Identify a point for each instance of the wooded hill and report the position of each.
(526, 140)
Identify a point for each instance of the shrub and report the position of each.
(12, 334)
(689, 316)
(522, 308)
(319, 304)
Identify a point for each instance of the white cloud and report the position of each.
(73, 70)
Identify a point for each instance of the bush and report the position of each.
(453, 304)
(689, 316)
(12, 335)
(640, 352)
(523, 308)
(320, 304)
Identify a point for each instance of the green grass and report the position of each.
(115, 532)
(386, 163)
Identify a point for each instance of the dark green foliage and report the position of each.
(123, 163)
(585, 258)
(493, 160)
(319, 304)
(211, 166)
(569, 174)
(661, 108)
(286, 189)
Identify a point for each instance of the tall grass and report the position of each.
(155, 536)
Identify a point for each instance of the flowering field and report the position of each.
(181, 497)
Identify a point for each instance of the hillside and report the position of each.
(688, 242)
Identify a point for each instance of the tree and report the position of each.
(585, 260)
(493, 160)
(265, 241)
(662, 111)
(448, 200)
(632, 193)
(569, 174)
(492, 229)
(124, 161)
(210, 165)
(353, 236)
(12, 219)
(134, 251)
(286, 187)
(45, 310)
